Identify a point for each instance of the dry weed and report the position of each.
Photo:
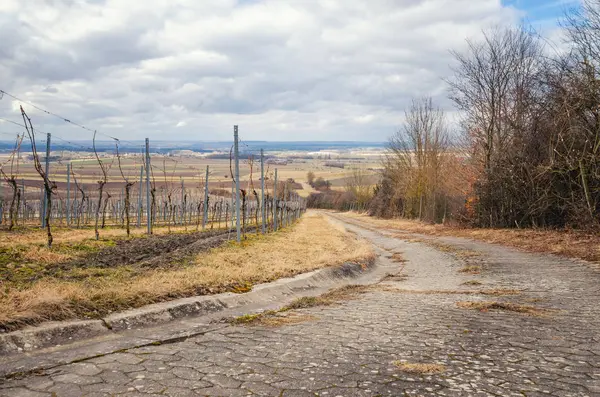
(471, 269)
(503, 306)
(420, 368)
(499, 291)
(292, 318)
(332, 297)
(394, 277)
(466, 254)
(489, 292)
(272, 319)
(285, 315)
(396, 257)
(472, 282)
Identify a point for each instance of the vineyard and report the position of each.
(111, 187)
(174, 198)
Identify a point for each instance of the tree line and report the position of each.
(528, 147)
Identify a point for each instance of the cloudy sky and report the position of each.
(281, 69)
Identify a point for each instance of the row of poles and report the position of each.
(190, 209)
(280, 212)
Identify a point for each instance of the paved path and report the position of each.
(352, 349)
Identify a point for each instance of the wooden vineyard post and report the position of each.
(148, 209)
(275, 226)
(237, 182)
(205, 215)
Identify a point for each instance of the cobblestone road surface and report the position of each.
(353, 349)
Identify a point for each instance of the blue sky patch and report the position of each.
(544, 12)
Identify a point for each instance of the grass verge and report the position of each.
(311, 244)
(569, 243)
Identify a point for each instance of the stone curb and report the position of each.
(63, 333)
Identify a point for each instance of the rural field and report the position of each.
(177, 185)
(190, 169)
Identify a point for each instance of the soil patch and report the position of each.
(155, 252)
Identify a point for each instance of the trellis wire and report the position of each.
(74, 209)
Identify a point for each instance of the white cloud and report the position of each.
(282, 70)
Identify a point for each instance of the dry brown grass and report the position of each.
(569, 243)
(44, 255)
(272, 319)
(395, 277)
(534, 300)
(466, 254)
(458, 252)
(471, 269)
(504, 306)
(419, 368)
(332, 297)
(35, 236)
(499, 291)
(27, 246)
(286, 314)
(311, 244)
(396, 257)
(489, 292)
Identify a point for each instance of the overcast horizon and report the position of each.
(320, 71)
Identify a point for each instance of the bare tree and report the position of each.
(583, 29)
(497, 86)
(310, 177)
(415, 157)
(494, 85)
(359, 186)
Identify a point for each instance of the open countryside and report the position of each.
(288, 198)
